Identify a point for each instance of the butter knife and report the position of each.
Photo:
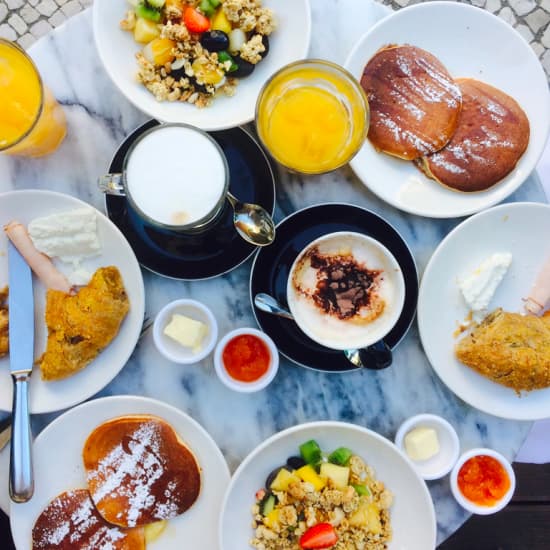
(21, 353)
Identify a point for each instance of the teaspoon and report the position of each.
(252, 222)
(377, 356)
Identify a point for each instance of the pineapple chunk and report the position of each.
(153, 530)
(220, 22)
(367, 515)
(283, 479)
(272, 519)
(159, 51)
(307, 473)
(339, 475)
(145, 30)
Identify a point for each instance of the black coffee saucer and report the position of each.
(219, 249)
(270, 273)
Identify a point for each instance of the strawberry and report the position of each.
(195, 21)
(319, 536)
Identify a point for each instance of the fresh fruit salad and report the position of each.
(319, 500)
(196, 49)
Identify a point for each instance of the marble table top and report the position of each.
(98, 120)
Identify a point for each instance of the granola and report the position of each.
(178, 64)
(355, 512)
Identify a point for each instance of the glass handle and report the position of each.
(111, 184)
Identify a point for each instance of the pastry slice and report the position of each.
(510, 349)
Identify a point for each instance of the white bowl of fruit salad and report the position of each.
(201, 62)
(326, 485)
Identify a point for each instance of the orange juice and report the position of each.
(31, 121)
(312, 116)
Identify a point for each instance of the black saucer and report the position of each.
(218, 249)
(271, 266)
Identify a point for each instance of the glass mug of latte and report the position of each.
(32, 123)
(175, 178)
(346, 291)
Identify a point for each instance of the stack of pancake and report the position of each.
(463, 133)
(138, 472)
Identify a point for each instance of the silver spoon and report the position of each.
(377, 356)
(252, 222)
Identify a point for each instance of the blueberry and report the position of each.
(244, 68)
(214, 41)
(295, 462)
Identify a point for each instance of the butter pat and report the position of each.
(421, 443)
(186, 331)
(479, 287)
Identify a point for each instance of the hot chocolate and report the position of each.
(345, 290)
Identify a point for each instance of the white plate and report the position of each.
(117, 49)
(470, 42)
(519, 228)
(413, 531)
(53, 396)
(58, 467)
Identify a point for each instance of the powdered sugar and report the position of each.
(442, 88)
(495, 108)
(400, 135)
(440, 160)
(448, 91)
(418, 113)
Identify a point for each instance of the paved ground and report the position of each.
(28, 20)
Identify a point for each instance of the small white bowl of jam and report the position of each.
(246, 360)
(483, 481)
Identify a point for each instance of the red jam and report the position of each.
(483, 480)
(246, 358)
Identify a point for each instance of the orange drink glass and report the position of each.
(32, 123)
(312, 116)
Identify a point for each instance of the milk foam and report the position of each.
(329, 330)
(175, 175)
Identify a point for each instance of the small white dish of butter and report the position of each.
(431, 444)
(185, 331)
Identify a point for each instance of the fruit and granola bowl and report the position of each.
(202, 62)
(326, 485)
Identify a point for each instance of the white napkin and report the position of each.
(536, 448)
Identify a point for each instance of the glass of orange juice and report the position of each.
(32, 123)
(312, 116)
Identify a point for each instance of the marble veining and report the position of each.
(98, 119)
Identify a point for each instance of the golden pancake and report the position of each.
(414, 103)
(138, 471)
(71, 522)
(492, 134)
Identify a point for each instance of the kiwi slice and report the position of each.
(147, 12)
(156, 3)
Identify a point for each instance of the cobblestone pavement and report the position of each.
(28, 20)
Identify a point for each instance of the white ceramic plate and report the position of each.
(58, 467)
(53, 396)
(519, 228)
(117, 49)
(413, 531)
(470, 42)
